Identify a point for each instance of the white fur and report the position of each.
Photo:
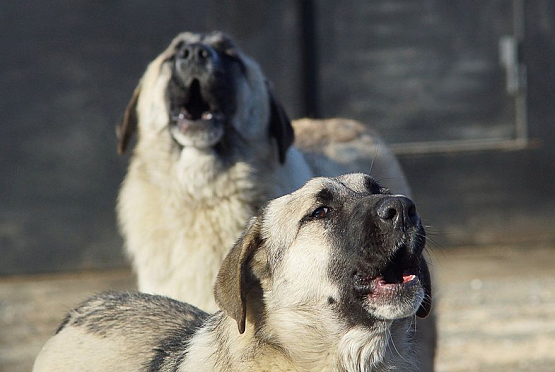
(290, 323)
(181, 211)
(75, 350)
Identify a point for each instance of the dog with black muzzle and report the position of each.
(327, 278)
(213, 146)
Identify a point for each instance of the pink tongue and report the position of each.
(408, 278)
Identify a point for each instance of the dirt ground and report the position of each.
(496, 308)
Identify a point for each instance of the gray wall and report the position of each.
(67, 70)
(426, 71)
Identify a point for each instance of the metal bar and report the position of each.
(462, 146)
(521, 100)
(309, 59)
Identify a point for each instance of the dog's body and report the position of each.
(327, 278)
(196, 177)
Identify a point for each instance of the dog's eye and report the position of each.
(320, 212)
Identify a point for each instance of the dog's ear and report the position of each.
(128, 125)
(426, 282)
(234, 280)
(280, 126)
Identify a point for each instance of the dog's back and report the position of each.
(132, 331)
(336, 146)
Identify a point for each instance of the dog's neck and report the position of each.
(203, 177)
(219, 346)
(385, 348)
(358, 349)
(336, 346)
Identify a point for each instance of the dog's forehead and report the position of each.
(360, 183)
(215, 38)
(348, 184)
(318, 189)
(219, 39)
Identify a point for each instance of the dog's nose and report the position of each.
(398, 210)
(196, 53)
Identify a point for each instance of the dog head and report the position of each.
(203, 92)
(341, 246)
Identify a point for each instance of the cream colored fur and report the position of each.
(180, 211)
(290, 323)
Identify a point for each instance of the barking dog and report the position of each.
(327, 278)
(213, 146)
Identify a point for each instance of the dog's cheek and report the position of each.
(154, 104)
(252, 113)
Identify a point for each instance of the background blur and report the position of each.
(463, 90)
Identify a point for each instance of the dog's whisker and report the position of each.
(436, 249)
(388, 331)
(374, 159)
(411, 324)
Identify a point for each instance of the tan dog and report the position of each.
(214, 145)
(327, 278)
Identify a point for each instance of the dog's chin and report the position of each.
(202, 133)
(390, 301)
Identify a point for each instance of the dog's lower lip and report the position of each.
(184, 120)
(380, 287)
(376, 285)
(380, 281)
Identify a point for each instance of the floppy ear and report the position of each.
(426, 282)
(280, 126)
(128, 126)
(232, 282)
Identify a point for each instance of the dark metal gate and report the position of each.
(463, 90)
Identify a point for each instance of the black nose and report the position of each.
(196, 53)
(398, 210)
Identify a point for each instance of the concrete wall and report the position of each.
(416, 71)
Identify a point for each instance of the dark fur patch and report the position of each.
(325, 196)
(170, 322)
(171, 351)
(363, 243)
(64, 323)
(111, 311)
(371, 185)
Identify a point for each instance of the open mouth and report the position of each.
(399, 274)
(193, 110)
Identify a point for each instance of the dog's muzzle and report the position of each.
(391, 282)
(196, 94)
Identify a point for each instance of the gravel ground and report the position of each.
(496, 308)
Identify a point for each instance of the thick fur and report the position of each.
(181, 207)
(290, 294)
